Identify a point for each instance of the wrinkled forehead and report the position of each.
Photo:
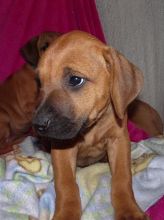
(76, 50)
(77, 39)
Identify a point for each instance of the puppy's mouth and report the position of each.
(52, 124)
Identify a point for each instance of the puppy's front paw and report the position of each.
(132, 216)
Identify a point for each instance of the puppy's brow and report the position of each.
(68, 70)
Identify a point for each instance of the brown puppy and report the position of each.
(18, 100)
(19, 95)
(87, 87)
(139, 112)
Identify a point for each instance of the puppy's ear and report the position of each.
(45, 40)
(30, 52)
(127, 80)
(34, 48)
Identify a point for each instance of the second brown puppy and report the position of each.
(18, 100)
(20, 94)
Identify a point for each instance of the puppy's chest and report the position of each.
(94, 146)
(89, 153)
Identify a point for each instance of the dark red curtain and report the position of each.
(20, 20)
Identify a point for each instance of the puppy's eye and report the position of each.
(76, 81)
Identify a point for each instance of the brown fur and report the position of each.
(93, 116)
(19, 95)
(18, 100)
(145, 117)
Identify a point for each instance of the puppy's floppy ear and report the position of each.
(45, 40)
(127, 80)
(30, 52)
(34, 48)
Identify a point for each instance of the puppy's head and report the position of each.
(80, 78)
(34, 48)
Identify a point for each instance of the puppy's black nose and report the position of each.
(42, 126)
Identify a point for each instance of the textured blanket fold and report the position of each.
(27, 191)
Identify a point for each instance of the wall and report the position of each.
(136, 28)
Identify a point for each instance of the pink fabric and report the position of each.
(136, 134)
(21, 20)
(156, 212)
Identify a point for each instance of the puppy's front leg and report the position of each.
(123, 199)
(68, 204)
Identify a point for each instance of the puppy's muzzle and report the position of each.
(49, 122)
